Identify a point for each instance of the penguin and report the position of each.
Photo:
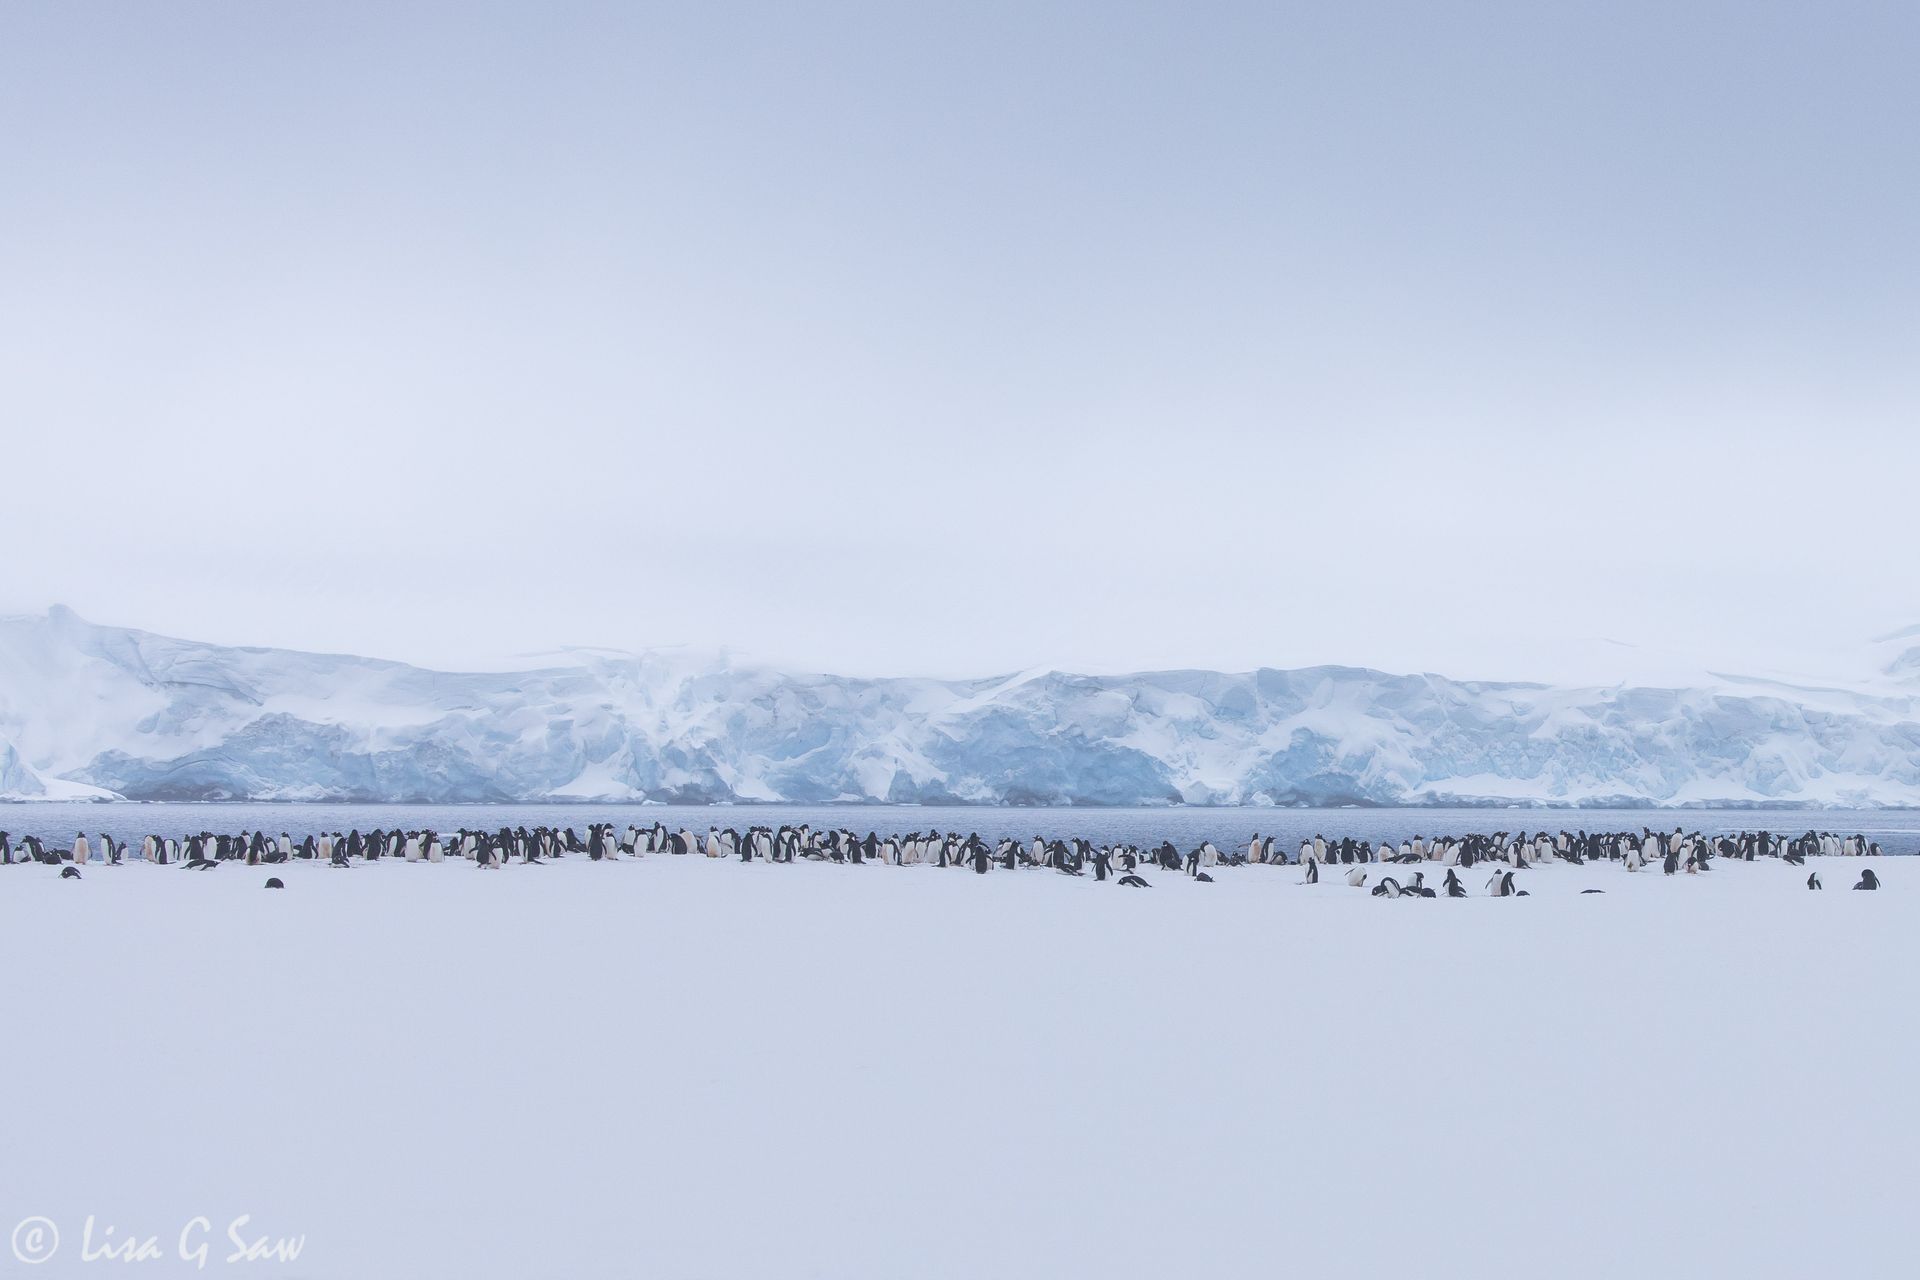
(1203, 877)
(1357, 877)
(69, 873)
(274, 882)
(1813, 881)
(1133, 882)
(1453, 886)
(1868, 880)
(1313, 869)
(1587, 891)
(1387, 888)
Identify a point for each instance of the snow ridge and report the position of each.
(89, 710)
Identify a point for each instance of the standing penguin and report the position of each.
(1813, 881)
(1868, 880)
(1313, 867)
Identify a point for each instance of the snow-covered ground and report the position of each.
(677, 1067)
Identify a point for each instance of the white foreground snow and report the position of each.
(677, 1067)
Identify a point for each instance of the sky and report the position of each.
(954, 339)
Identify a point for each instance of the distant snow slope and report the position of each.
(90, 710)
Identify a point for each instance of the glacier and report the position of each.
(92, 711)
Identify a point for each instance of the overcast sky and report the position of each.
(961, 338)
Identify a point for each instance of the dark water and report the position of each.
(1897, 831)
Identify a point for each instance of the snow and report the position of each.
(595, 782)
(679, 1067)
(124, 712)
(21, 781)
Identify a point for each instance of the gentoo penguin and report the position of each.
(1501, 886)
(69, 873)
(1387, 888)
(1313, 869)
(1813, 881)
(80, 850)
(1868, 880)
(1134, 882)
(273, 882)
(1357, 877)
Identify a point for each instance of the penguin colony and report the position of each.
(1503, 853)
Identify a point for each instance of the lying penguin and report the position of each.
(1868, 880)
